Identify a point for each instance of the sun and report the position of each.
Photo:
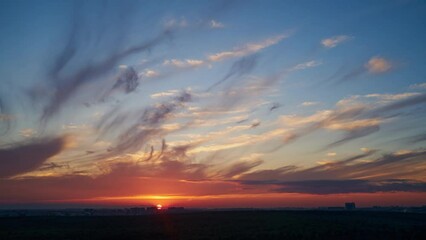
(159, 206)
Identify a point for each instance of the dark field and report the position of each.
(222, 225)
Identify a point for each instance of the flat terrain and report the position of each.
(222, 225)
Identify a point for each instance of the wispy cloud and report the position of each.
(183, 63)
(27, 132)
(418, 86)
(353, 116)
(238, 52)
(247, 49)
(175, 23)
(377, 175)
(216, 24)
(239, 68)
(334, 41)
(331, 154)
(392, 97)
(308, 104)
(165, 94)
(306, 65)
(149, 73)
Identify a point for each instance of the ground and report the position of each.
(222, 225)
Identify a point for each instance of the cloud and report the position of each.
(216, 24)
(240, 168)
(348, 119)
(355, 133)
(306, 65)
(407, 102)
(149, 73)
(127, 80)
(350, 186)
(365, 150)
(418, 86)
(255, 123)
(399, 171)
(378, 65)
(416, 138)
(353, 116)
(308, 104)
(165, 94)
(375, 65)
(145, 125)
(175, 23)
(183, 63)
(274, 106)
(238, 68)
(75, 64)
(247, 49)
(334, 41)
(27, 132)
(391, 97)
(5, 118)
(28, 156)
(331, 154)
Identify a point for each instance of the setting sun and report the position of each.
(159, 207)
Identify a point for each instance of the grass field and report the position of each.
(222, 225)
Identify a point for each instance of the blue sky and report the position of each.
(251, 94)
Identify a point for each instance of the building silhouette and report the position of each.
(350, 206)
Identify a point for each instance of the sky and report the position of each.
(212, 103)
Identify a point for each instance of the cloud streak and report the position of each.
(351, 175)
(29, 156)
(247, 49)
(334, 41)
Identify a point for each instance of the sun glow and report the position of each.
(159, 206)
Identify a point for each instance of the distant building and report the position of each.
(335, 208)
(151, 209)
(350, 206)
(176, 209)
(137, 211)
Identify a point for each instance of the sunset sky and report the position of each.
(212, 103)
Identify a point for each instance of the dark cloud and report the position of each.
(127, 81)
(151, 153)
(346, 115)
(354, 134)
(399, 105)
(384, 174)
(93, 48)
(347, 175)
(417, 138)
(239, 68)
(242, 121)
(347, 186)
(50, 166)
(4, 118)
(240, 168)
(28, 156)
(342, 117)
(355, 73)
(274, 106)
(163, 148)
(68, 86)
(140, 127)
